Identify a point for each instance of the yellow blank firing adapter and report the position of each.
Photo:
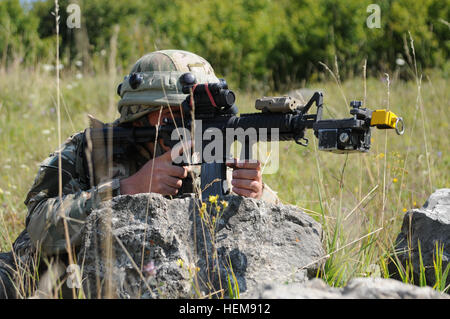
(386, 119)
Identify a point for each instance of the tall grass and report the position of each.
(359, 199)
(396, 165)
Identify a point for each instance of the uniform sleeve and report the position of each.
(46, 209)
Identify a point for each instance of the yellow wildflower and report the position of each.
(224, 204)
(405, 210)
(395, 180)
(217, 208)
(202, 210)
(213, 199)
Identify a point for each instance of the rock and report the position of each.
(252, 241)
(429, 225)
(358, 288)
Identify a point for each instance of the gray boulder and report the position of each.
(429, 226)
(358, 288)
(162, 249)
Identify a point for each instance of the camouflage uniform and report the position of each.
(82, 190)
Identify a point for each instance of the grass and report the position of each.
(359, 199)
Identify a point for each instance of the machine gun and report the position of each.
(209, 116)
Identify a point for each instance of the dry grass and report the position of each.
(359, 198)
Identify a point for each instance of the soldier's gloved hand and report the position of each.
(158, 176)
(247, 178)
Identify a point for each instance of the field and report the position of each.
(359, 199)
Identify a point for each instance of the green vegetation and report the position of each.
(344, 193)
(261, 47)
(251, 43)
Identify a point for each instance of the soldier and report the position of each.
(85, 186)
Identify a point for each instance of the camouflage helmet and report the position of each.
(154, 81)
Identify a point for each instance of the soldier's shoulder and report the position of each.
(69, 149)
(75, 137)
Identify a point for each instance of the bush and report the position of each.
(248, 41)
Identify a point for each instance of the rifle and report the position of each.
(209, 113)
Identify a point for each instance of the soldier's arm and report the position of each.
(45, 207)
